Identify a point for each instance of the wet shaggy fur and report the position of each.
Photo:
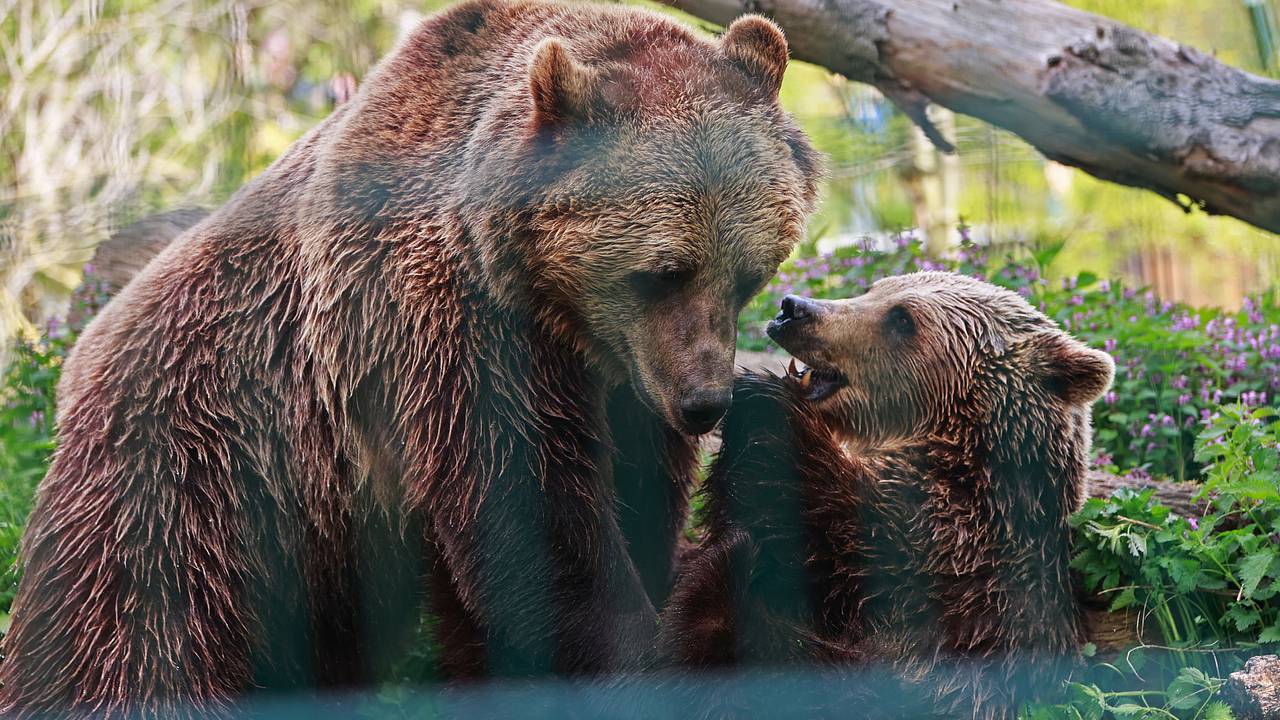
(916, 521)
(439, 352)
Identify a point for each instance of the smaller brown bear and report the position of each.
(900, 506)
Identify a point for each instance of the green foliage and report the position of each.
(26, 442)
(1207, 585)
(27, 414)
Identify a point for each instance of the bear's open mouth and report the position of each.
(817, 383)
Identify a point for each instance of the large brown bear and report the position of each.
(465, 330)
(900, 506)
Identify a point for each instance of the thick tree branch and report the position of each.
(1086, 91)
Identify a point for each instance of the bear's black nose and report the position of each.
(702, 408)
(795, 307)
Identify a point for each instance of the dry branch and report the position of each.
(1086, 91)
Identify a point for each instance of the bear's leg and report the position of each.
(364, 578)
(527, 523)
(137, 558)
(756, 487)
(653, 472)
(458, 637)
(697, 628)
(546, 573)
(762, 566)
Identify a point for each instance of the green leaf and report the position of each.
(1188, 690)
(1244, 618)
(1218, 710)
(1129, 710)
(1047, 252)
(1123, 600)
(1137, 544)
(1253, 568)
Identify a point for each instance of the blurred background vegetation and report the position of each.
(114, 109)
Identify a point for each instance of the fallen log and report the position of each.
(1254, 692)
(1086, 91)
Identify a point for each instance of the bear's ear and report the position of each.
(562, 87)
(1070, 369)
(758, 45)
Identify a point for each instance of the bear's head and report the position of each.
(660, 185)
(918, 354)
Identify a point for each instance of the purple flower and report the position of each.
(1195, 524)
(1109, 345)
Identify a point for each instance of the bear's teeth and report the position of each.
(806, 379)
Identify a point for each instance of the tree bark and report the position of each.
(1086, 91)
(1180, 497)
(1254, 692)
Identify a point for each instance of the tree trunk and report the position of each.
(1086, 91)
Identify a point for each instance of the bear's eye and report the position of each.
(899, 322)
(657, 283)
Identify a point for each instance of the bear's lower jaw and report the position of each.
(817, 383)
(651, 403)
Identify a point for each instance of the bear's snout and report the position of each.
(795, 307)
(796, 313)
(702, 408)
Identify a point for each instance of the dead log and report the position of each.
(1254, 692)
(1180, 497)
(1086, 91)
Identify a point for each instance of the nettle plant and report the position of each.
(1175, 364)
(27, 410)
(1208, 586)
(26, 442)
(1215, 578)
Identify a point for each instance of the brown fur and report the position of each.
(447, 335)
(917, 518)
